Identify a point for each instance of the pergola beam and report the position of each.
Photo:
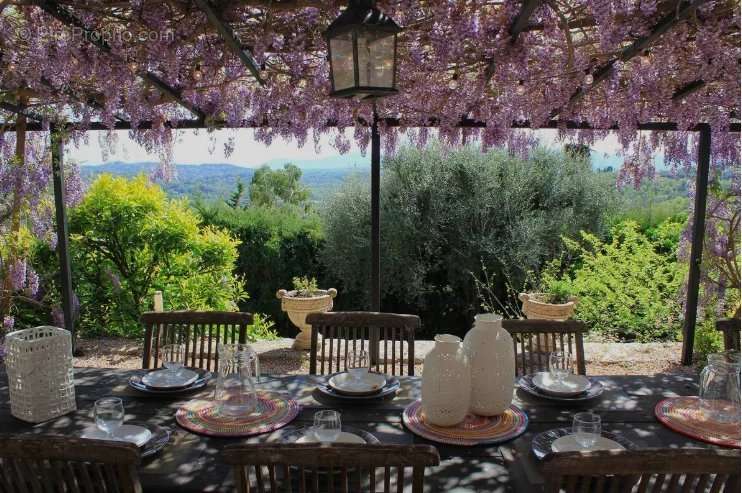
(520, 23)
(688, 89)
(638, 46)
(389, 122)
(230, 39)
(4, 105)
(63, 15)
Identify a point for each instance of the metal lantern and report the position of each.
(362, 47)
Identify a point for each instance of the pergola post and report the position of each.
(697, 234)
(375, 231)
(65, 269)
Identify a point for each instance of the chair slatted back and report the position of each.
(313, 468)
(730, 328)
(336, 334)
(75, 465)
(533, 340)
(644, 471)
(201, 332)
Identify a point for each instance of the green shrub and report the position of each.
(128, 240)
(707, 340)
(628, 287)
(276, 245)
(445, 213)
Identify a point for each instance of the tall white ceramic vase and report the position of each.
(489, 348)
(446, 382)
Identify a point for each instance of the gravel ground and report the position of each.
(277, 356)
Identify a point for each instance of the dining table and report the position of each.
(191, 462)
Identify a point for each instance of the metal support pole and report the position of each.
(696, 251)
(375, 217)
(65, 269)
(375, 232)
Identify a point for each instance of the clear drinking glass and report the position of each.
(720, 387)
(586, 428)
(357, 364)
(235, 384)
(327, 425)
(560, 365)
(109, 414)
(173, 356)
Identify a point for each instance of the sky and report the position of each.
(197, 147)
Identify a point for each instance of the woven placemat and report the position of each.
(474, 430)
(205, 417)
(684, 415)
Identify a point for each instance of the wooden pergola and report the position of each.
(676, 13)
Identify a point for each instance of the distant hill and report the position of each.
(218, 181)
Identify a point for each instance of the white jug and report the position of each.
(489, 348)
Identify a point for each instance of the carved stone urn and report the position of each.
(535, 307)
(298, 307)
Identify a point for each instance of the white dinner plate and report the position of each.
(569, 444)
(169, 379)
(138, 435)
(571, 385)
(344, 437)
(369, 383)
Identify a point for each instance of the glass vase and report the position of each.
(235, 385)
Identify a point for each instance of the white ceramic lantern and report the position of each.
(446, 382)
(489, 348)
(40, 379)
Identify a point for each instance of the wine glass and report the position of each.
(109, 415)
(357, 365)
(173, 356)
(327, 425)
(560, 365)
(586, 428)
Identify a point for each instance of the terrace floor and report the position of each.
(278, 357)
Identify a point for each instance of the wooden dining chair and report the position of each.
(534, 339)
(336, 334)
(36, 464)
(315, 468)
(730, 328)
(644, 471)
(201, 332)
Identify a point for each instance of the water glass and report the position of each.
(560, 365)
(357, 364)
(586, 429)
(109, 414)
(173, 356)
(327, 425)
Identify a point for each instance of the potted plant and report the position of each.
(552, 302)
(305, 298)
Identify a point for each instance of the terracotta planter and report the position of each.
(533, 308)
(298, 307)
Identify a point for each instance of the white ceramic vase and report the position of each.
(446, 382)
(489, 349)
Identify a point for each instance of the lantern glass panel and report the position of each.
(375, 59)
(341, 52)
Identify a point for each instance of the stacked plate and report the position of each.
(572, 388)
(149, 438)
(170, 382)
(347, 435)
(563, 440)
(365, 386)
